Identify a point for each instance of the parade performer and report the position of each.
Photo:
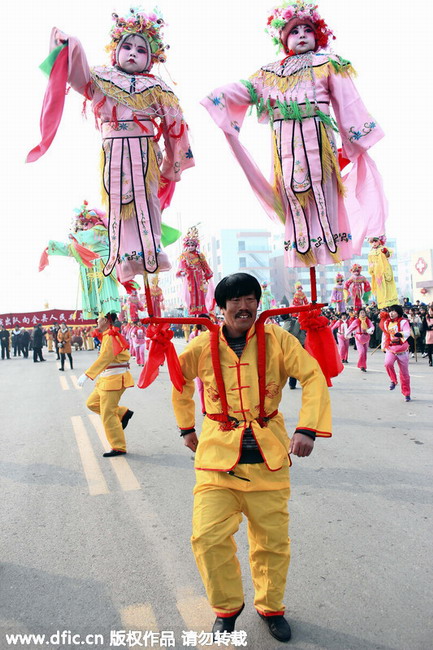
(268, 299)
(112, 366)
(428, 329)
(139, 338)
(382, 276)
(64, 339)
(242, 457)
(362, 327)
(342, 326)
(299, 297)
(157, 297)
(133, 108)
(337, 295)
(196, 274)
(294, 96)
(396, 331)
(99, 294)
(357, 287)
(134, 301)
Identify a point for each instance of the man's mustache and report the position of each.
(243, 313)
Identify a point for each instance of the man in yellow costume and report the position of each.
(242, 459)
(112, 366)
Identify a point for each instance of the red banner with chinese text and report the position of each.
(46, 318)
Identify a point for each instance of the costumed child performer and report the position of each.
(294, 96)
(132, 108)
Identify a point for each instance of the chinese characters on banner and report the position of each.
(46, 318)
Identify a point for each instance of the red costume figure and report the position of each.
(196, 274)
(396, 331)
(356, 286)
(299, 297)
(135, 304)
(157, 297)
(362, 327)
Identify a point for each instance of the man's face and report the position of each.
(240, 314)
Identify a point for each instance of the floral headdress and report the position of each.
(298, 285)
(85, 218)
(380, 238)
(191, 238)
(294, 13)
(137, 22)
(339, 276)
(356, 267)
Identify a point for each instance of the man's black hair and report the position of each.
(111, 317)
(398, 309)
(236, 286)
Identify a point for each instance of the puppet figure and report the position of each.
(268, 299)
(157, 297)
(357, 286)
(337, 295)
(134, 301)
(196, 273)
(133, 108)
(382, 276)
(299, 297)
(294, 95)
(88, 245)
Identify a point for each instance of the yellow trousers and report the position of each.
(217, 514)
(106, 403)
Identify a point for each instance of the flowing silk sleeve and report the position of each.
(78, 68)
(365, 200)
(59, 248)
(227, 106)
(178, 155)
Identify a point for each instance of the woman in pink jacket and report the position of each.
(362, 327)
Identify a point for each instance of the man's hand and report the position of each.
(190, 440)
(301, 445)
(82, 379)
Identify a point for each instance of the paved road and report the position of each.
(93, 545)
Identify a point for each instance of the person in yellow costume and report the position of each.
(382, 276)
(242, 458)
(112, 366)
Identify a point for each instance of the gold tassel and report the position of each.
(104, 194)
(152, 173)
(278, 181)
(127, 211)
(309, 259)
(304, 198)
(336, 257)
(138, 101)
(329, 161)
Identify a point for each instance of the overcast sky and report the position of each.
(212, 43)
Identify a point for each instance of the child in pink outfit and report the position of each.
(396, 331)
(362, 328)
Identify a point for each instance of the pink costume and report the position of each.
(362, 337)
(306, 190)
(397, 351)
(337, 295)
(196, 273)
(157, 298)
(343, 341)
(127, 108)
(357, 285)
(140, 345)
(134, 305)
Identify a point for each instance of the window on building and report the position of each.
(242, 262)
(241, 246)
(218, 243)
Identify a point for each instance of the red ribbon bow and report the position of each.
(119, 341)
(161, 348)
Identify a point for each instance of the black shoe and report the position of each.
(226, 623)
(114, 452)
(62, 369)
(43, 359)
(278, 627)
(363, 370)
(128, 415)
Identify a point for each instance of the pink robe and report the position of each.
(126, 109)
(356, 286)
(337, 298)
(306, 189)
(196, 273)
(157, 298)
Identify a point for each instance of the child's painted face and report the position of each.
(375, 243)
(133, 55)
(301, 39)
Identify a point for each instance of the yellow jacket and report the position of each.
(106, 358)
(219, 449)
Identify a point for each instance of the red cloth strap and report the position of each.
(320, 343)
(161, 348)
(119, 341)
(44, 261)
(165, 192)
(52, 107)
